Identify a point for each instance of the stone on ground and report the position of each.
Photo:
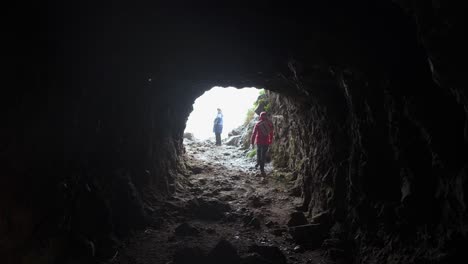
(189, 255)
(224, 252)
(254, 258)
(311, 235)
(271, 254)
(233, 141)
(186, 229)
(296, 219)
(208, 209)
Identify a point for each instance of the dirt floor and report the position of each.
(222, 212)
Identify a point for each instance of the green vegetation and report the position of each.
(252, 153)
(267, 107)
(251, 112)
(283, 176)
(263, 100)
(249, 116)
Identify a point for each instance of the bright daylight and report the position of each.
(234, 104)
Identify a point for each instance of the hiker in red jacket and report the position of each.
(262, 135)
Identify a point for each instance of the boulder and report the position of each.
(298, 249)
(189, 255)
(271, 224)
(255, 223)
(296, 191)
(278, 231)
(310, 235)
(236, 131)
(224, 252)
(188, 135)
(333, 243)
(185, 229)
(255, 201)
(208, 209)
(297, 219)
(254, 258)
(322, 218)
(233, 140)
(195, 169)
(271, 254)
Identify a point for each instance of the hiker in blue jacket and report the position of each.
(218, 127)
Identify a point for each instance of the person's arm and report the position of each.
(254, 133)
(215, 123)
(270, 136)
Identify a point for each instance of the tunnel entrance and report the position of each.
(224, 209)
(228, 119)
(234, 104)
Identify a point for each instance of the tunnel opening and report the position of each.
(223, 185)
(235, 104)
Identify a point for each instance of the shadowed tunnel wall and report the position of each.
(372, 117)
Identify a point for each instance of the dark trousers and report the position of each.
(261, 156)
(218, 138)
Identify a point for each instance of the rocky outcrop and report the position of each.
(380, 157)
(241, 136)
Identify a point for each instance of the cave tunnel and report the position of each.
(372, 121)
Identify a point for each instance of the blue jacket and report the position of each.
(218, 124)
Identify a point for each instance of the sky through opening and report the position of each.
(234, 104)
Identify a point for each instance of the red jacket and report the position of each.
(263, 131)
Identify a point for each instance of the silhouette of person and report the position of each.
(218, 126)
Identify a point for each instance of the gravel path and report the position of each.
(223, 211)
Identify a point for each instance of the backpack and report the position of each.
(264, 128)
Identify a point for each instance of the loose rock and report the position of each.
(186, 230)
(189, 255)
(310, 235)
(298, 249)
(254, 258)
(278, 232)
(296, 219)
(322, 218)
(270, 253)
(208, 209)
(224, 252)
(270, 224)
(188, 136)
(233, 141)
(255, 201)
(255, 223)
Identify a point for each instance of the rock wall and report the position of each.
(383, 150)
(386, 173)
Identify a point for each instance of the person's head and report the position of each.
(263, 115)
(219, 110)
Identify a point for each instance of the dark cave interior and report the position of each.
(372, 95)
